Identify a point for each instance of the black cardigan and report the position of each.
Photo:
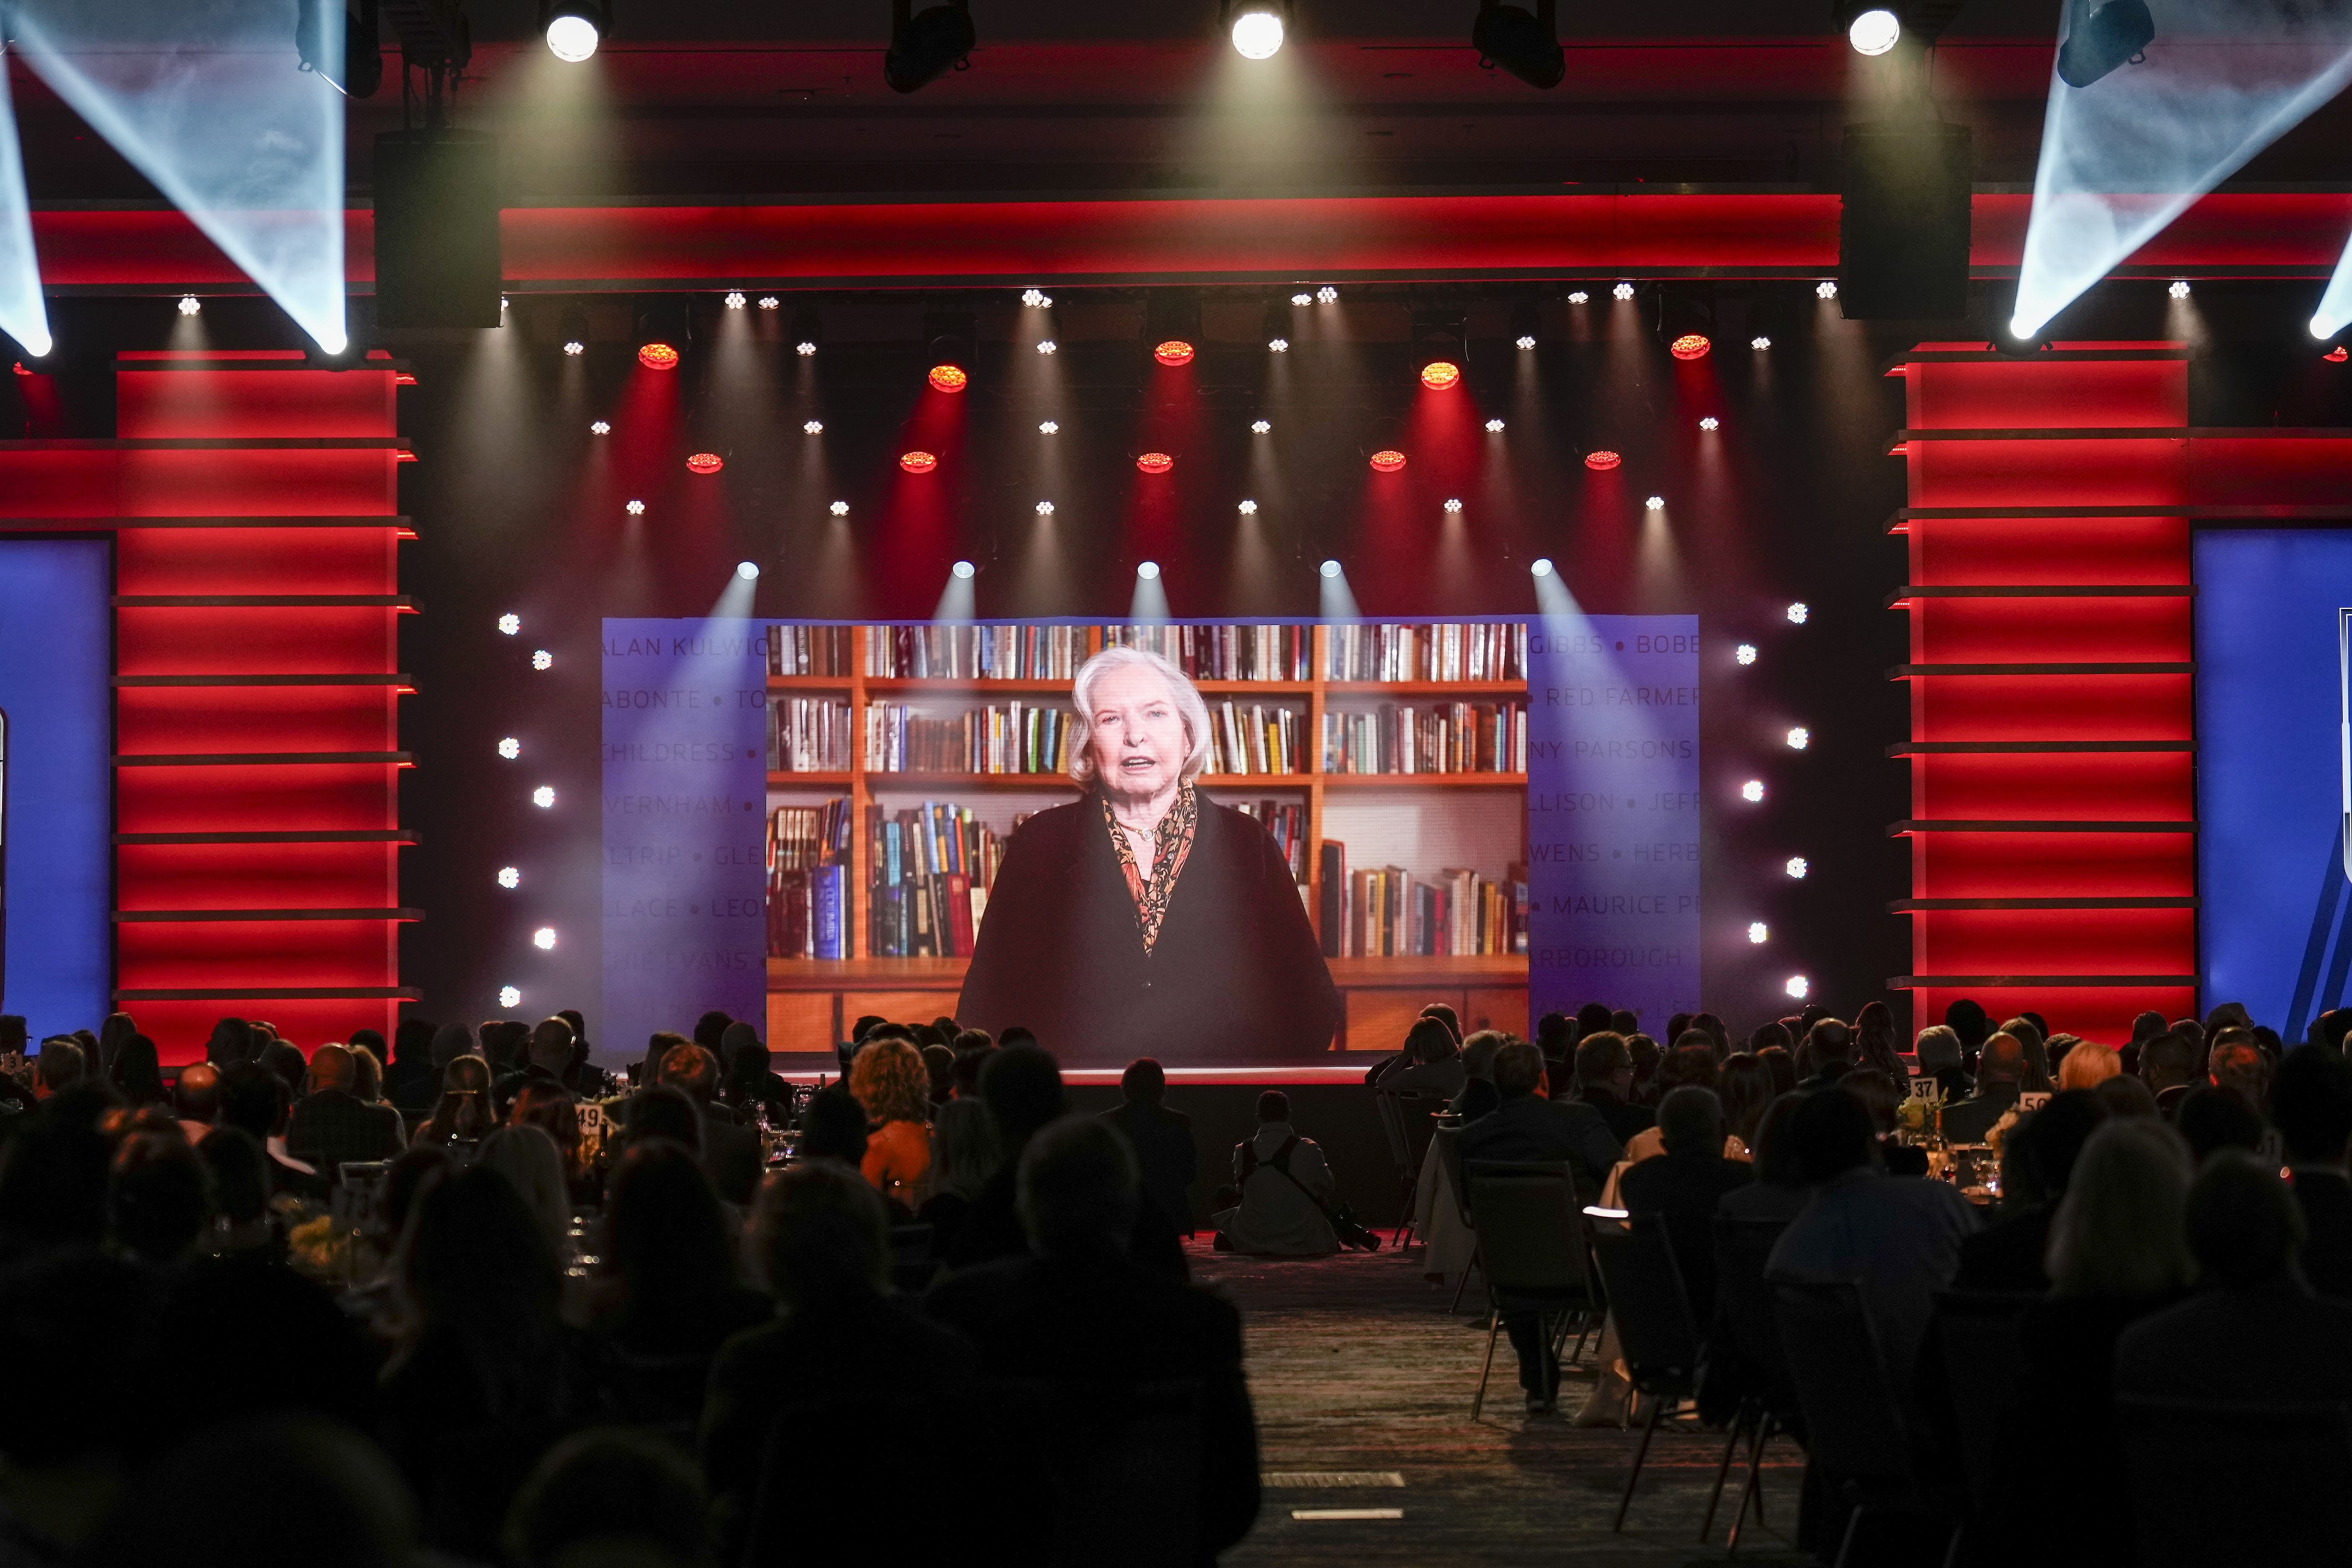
(1236, 977)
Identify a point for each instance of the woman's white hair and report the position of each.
(1188, 708)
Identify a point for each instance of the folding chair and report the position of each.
(1534, 1253)
(1976, 1333)
(1654, 1330)
(2219, 1485)
(1745, 1345)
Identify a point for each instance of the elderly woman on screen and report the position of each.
(1144, 919)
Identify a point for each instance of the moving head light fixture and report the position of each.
(926, 45)
(1524, 43)
(1257, 27)
(1875, 27)
(2099, 41)
(574, 28)
(355, 70)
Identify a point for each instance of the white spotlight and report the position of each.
(964, 569)
(1759, 342)
(840, 509)
(1526, 341)
(1541, 566)
(636, 509)
(804, 347)
(543, 796)
(1329, 568)
(1493, 427)
(575, 347)
(1045, 345)
(510, 748)
(1032, 298)
(735, 301)
(1278, 345)
(542, 659)
(1622, 292)
(190, 304)
(1302, 298)
(1710, 423)
(1326, 295)
(1825, 289)
(1799, 738)
(600, 429)
(543, 938)
(1257, 33)
(1753, 791)
(1048, 427)
(1743, 653)
(2319, 329)
(1045, 509)
(1247, 509)
(1146, 570)
(1799, 987)
(1259, 427)
(509, 997)
(509, 878)
(1796, 867)
(747, 570)
(2180, 290)
(1451, 505)
(1578, 297)
(770, 302)
(1798, 614)
(572, 39)
(509, 624)
(1758, 931)
(812, 426)
(1655, 503)
(1874, 32)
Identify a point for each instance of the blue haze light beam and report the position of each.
(22, 315)
(208, 99)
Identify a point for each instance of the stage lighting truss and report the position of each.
(812, 426)
(543, 938)
(1796, 867)
(1745, 654)
(1046, 345)
(1493, 427)
(1257, 27)
(573, 28)
(541, 660)
(190, 305)
(599, 428)
(1753, 791)
(926, 45)
(735, 301)
(509, 997)
(1759, 933)
(510, 748)
(839, 508)
(509, 624)
(543, 797)
(509, 878)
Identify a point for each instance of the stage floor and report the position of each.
(1355, 1367)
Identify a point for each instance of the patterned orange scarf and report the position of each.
(1171, 841)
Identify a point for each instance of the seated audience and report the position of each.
(1478, 1095)
(2001, 1066)
(1077, 1313)
(2037, 1162)
(731, 1155)
(834, 1128)
(59, 1065)
(1829, 1048)
(1743, 1084)
(332, 1126)
(555, 1111)
(748, 1084)
(1431, 1062)
(254, 1099)
(2214, 1118)
(526, 1157)
(1900, 1238)
(1645, 1056)
(2238, 1064)
(2088, 1064)
(1779, 1191)
(889, 1081)
(1285, 1186)
(1939, 1050)
(2253, 1330)
(610, 1496)
(461, 1117)
(411, 1078)
(2125, 1095)
(1876, 1045)
(1161, 1139)
(1685, 1185)
(2311, 1105)
(1687, 1065)
(197, 1097)
(964, 1155)
(159, 1199)
(134, 1070)
(2168, 1065)
(1525, 1126)
(1605, 1080)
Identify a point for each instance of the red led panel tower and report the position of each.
(2052, 673)
(251, 501)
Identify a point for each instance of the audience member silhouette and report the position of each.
(1162, 1139)
(1685, 1185)
(965, 1152)
(2311, 1106)
(610, 1496)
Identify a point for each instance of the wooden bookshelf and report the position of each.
(815, 999)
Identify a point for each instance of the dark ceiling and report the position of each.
(732, 98)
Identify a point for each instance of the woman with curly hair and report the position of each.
(889, 1081)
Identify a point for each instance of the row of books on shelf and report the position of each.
(1447, 651)
(808, 886)
(1440, 738)
(1223, 652)
(1251, 738)
(1287, 825)
(928, 871)
(812, 651)
(811, 735)
(975, 653)
(1010, 738)
(1390, 912)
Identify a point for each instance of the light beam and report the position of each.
(22, 315)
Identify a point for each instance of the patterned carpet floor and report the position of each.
(1358, 1371)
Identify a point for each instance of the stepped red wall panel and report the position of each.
(2049, 393)
(247, 479)
(2053, 866)
(2007, 550)
(2133, 787)
(177, 720)
(2071, 630)
(338, 560)
(254, 639)
(337, 876)
(219, 402)
(260, 954)
(309, 798)
(2065, 470)
(2052, 707)
(2097, 941)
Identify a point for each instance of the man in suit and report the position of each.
(2254, 1330)
(2311, 1106)
(1527, 1127)
(2006, 1255)
(1999, 1068)
(1604, 1077)
(1827, 1048)
(332, 1126)
(1077, 1316)
(1162, 1141)
(730, 1155)
(2168, 1065)
(1682, 1186)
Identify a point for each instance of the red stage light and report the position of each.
(949, 378)
(1603, 459)
(1439, 375)
(1690, 345)
(1387, 462)
(657, 356)
(1155, 462)
(918, 462)
(19, 368)
(705, 463)
(1175, 351)
(2333, 356)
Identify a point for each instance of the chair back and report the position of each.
(1391, 1115)
(834, 1483)
(1123, 1463)
(1744, 1323)
(1648, 1303)
(1977, 1330)
(913, 1257)
(1449, 1159)
(2216, 1485)
(1855, 1426)
(1525, 1215)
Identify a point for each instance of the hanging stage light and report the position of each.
(2099, 41)
(1171, 324)
(1524, 43)
(575, 29)
(352, 65)
(1257, 27)
(1869, 26)
(926, 45)
(1440, 346)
